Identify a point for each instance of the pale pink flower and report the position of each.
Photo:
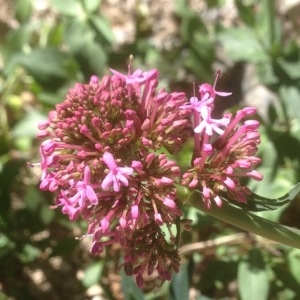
(207, 92)
(117, 176)
(84, 189)
(220, 160)
(208, 124)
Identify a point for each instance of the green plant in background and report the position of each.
(39, 65)
(44, 56)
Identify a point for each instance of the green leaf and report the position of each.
(294, 264)
(92, 274)
(213, 275)
(74, 29)
(245, 220)
(253, 281)
(103, 28)
(65, 247)
(130, 288)
(290, 96)
(51, 99)
(95, 56)
(68, 7)
(29, 253)
(33, 200)
(46, 214)
(17, 39)
(6, 245)
(42, 63)
(91, 6)
(258, 203)
(241, 44)
(87, 50)
(8, 176)
(268, 28)
(27, 127)
(180, 285)
(202, 55)
(266, 74)
(23, 10)
(287, 279)
(245, 12)
(292, 69)
(55, 36)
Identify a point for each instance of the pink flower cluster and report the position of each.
(100, 156)
(224, 150)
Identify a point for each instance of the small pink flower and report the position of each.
(84, 189)
(195, 104)
(208, 125)
(219, 161)
(138, 76)
(117, 176)
(207, 92)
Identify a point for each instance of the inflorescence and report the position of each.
(106, 156)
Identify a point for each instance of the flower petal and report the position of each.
(108, 181)
(91, 195)
(109, 161)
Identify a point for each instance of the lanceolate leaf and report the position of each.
(179, 288)
(253, 279)
(245, 220)
(258, 203)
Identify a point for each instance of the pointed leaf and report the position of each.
(103, 28)
(241, 44)
(245, 12)
(180, 285)
(130, 288)
(238, 217)
(290, 96)
(253, 281)
(91, 6)
(292, 69)
(23, 10)
(258, 203)
(42, 63)
(287, 279)
(267, 27)
(92, 274)
(27, 127)
(68, 7)
(294, 264)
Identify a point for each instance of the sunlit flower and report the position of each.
(99, 157)
(104, 156)
(221, 160)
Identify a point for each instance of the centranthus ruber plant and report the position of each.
(106, 155)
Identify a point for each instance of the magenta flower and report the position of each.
(99, 157)
(117, 176)
(105, 158)
(220, 161)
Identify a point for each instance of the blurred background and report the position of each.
(48, 45)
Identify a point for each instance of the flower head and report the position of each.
(104, 157)
(220, 160)
(99, 158)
